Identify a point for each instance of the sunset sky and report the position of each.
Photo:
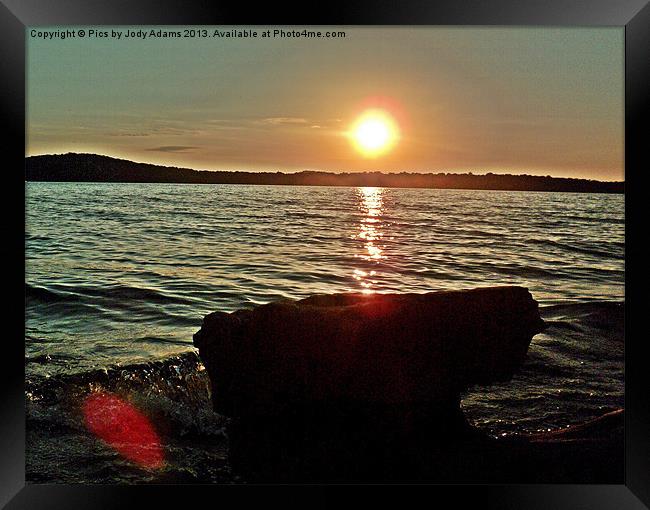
(504, 100)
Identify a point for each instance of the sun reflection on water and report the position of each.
(371, 204)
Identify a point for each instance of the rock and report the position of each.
(332, 379)
(390, 348)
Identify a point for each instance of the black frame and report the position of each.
(16, 15)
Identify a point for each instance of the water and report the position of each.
(120, 275)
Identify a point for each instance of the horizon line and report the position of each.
(341, 172)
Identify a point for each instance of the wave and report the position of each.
(581, 307)
(173, 392)
(174, 396)
(602, 315)
(181, 377)
(34, 292)
(587, 250)
(115, 292)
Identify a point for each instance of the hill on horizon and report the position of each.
(74, 167)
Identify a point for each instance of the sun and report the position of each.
(374, 133)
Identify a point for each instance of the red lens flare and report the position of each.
(124, 428)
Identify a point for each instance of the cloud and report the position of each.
(172, 148)
(284, 120)
(128, 134)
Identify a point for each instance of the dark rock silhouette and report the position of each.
(353, 387)
(96, 168)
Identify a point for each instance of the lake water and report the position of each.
(121, 275)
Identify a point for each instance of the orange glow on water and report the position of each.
(371, 203)
(123, 427)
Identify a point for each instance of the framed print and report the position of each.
(374, 247)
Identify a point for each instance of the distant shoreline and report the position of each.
(73, 167)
